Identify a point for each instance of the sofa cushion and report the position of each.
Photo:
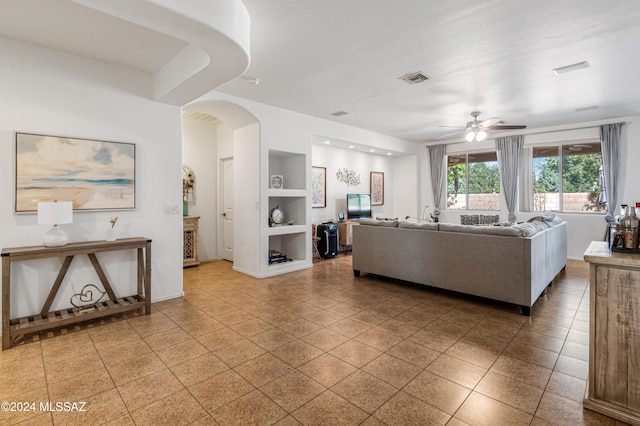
(528, 229)
(431, 226)
(489, 219)
(378, 222)
(506, 231)
(469, 219)
(548, 218)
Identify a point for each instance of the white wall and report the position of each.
(50, 92)
(362, 163)
(200, 152)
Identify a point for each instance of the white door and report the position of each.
(227, 209)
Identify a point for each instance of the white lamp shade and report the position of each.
(481, 135)
(469, 136)
(55, 213)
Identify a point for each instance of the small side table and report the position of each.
(190, 241)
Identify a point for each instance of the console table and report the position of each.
(614, 337)
(45, 320)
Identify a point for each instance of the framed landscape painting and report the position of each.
(93, 174)
(377, 188)
(318, 187)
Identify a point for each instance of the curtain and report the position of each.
(610, 143)
(526, 180)
(509, 156)
(437, 154)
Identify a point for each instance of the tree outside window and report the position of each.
(473, 181)
(574, 187)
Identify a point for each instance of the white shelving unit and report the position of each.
(292, 238)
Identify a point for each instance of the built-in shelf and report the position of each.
(286, 229)
(292, 240)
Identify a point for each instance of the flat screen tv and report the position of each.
(358, 206)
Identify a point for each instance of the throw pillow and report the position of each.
(469, 219)
(489, 219)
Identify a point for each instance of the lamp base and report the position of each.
(56, 237)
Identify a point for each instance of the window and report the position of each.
(568, 178)
(473, 181)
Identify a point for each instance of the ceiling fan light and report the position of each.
(469, 136)
(481, 135)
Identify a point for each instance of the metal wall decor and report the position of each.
(350, 177)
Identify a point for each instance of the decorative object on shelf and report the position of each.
(94, 175)
(188, 188)
(276, 182)
(84, 300)
(111, 231)
(55, 213)
(350, 177)
(276, 216)
(318, 186)
(377, 188)
(188, 184)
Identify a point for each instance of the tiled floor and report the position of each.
(315, 347)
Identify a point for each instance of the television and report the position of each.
(358, 206)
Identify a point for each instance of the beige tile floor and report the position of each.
(316, 347)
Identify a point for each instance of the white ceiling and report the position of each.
(319, 57)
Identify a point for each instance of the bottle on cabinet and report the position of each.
(629, 228)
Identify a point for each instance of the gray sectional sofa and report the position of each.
(513, 264)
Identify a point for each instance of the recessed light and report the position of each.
(339, 113)
(388, 153)
(573, 67)
(372, 150)
(327, 142)
(351, 146)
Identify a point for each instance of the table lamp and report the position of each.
(55, 213)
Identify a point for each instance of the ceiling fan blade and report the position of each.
(506, 127)
(453, 127)
(450, 134)
(490, 122)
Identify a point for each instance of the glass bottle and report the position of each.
(629, 225)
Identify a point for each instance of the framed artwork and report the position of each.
(93, 174)
(318, 187)
(377, 188)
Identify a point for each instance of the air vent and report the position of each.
(572, 67)
(339, 113)
(414, 78)
(586, 108)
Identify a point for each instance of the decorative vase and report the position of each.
(185, 208)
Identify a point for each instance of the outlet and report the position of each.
(171, 209)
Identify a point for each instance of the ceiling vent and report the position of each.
(339, 113)
(414, 78)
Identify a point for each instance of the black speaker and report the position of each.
(328, 243)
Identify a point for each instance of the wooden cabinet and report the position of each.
(190, 241)
(14, 328)
(345, 233)
(614, 337)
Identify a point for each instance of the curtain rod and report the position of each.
(573, 128)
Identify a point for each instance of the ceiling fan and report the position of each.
(477, 130)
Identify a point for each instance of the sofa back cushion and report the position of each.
(379, 222)
(506, 231)
(430, 226)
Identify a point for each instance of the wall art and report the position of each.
(350, 177)
(377, 188)
(318, 186)
(93, 174)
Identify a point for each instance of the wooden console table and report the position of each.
(614, 337)
(45, 320)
